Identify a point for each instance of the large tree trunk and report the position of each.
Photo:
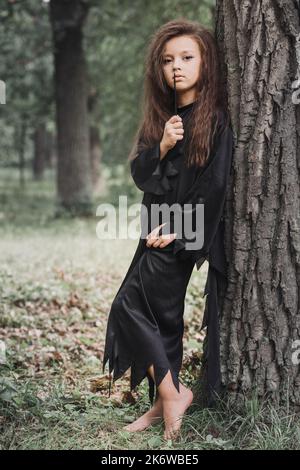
(73, 169)
(260, 320)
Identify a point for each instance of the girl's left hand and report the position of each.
(159, 241)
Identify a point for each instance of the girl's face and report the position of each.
(182, 56)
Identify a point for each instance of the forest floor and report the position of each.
(57, 281)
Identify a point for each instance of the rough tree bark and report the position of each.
(73, 169)
(260, 319)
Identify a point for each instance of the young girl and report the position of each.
(182, 158)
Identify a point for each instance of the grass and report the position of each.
(57, 281)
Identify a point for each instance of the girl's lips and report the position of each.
(179, 78)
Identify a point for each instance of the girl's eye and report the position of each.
(186, 57)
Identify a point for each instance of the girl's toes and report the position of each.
(171, 435)
(129, 427)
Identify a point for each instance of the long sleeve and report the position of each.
(210, 189)
(150, 173)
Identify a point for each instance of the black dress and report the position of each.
(145, 324)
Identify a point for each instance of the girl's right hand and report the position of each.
(159, 241)
(172, 133)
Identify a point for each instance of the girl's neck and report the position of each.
(186, 98)
(185, 105)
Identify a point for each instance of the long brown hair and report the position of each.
(158, 96)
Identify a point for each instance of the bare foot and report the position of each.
(173, 411)
(154, 415)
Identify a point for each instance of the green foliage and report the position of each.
(26, 68)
